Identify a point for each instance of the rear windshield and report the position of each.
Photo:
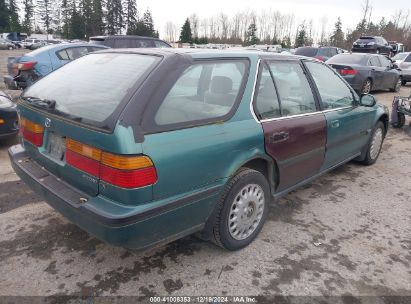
(309, 52)
(97, 41)
(348, 59)
(92, 87)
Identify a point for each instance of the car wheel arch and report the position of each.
(385, 120)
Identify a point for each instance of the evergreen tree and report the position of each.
(14, 16)
(76, 23)
(301, 39)
(114, 17)
(87, 15)
(65, 17)
(131, 16)
(44, 10)
(97, 18)
(28, 15)
(337, 38)
(185, 35)
(4, 16)
(149, 24)
(251, 37)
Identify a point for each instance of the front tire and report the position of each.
(375, 144)
(400, 121)
(243, 209)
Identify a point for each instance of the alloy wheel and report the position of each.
(376, 143)
(246, 212)
(366, 89)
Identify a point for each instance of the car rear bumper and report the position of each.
(9, 127)
(139, 227)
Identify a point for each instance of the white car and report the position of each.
(403, 60)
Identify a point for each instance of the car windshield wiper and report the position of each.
(44, 103)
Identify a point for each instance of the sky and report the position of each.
(349, 10)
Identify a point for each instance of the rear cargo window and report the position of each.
(93, 86)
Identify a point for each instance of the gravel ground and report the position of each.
(345, 234)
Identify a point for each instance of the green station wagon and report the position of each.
(142, 147)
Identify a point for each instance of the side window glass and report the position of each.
(408, 59)
(146, 43)
(62, 55)
(77, 52)
(205, 91)
(122, 43)
(384, 62)
(266, 103)
(374, 61)
(160, 44)
(296, 96)
(333, 91)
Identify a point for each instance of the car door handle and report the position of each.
(279, 137)
(335, 124)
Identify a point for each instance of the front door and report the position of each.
(348, 125)
(294, 129)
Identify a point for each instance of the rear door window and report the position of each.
(385, 62)
(205, 92)
(266, 103)
(333, 91)
(72, 53)
(374, 61)
(296, 96)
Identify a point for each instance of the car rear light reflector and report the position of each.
(32, 132)
(349, 72)
(23, 66)
(119, 170)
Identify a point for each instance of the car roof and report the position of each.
(205, 53)
(64, 45)
(125, 37)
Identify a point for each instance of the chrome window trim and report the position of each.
(253, 93)
(305, 114)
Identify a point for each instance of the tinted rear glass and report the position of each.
(348, 59)
(92, 87)
(309, 52)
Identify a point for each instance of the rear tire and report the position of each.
(403, 82)
(374, 144)
(397, 86)
(400, 121)
(242, 210)
(366, 86)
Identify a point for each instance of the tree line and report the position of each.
(76, 19)
(274, 27)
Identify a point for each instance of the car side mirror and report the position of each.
(395, 66)
(367, 100)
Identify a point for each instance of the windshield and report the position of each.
(309, 52)
(348, 59)
(93, 86)
(400, 56)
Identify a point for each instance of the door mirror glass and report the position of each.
(367, 100)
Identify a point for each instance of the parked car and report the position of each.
(397, 47)
(26, 69)
(9, 126)
(38, 45)
(372, 44)
(321, 53)
(129, 41)
(6, 44)
(403, 60)
(367, 72)
(30, 41)
(142, 147)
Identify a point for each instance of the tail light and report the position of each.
(349, 72)
(32, 132)
(28, 65)
(320, 58)
(118, 170)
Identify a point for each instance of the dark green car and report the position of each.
(142, 147)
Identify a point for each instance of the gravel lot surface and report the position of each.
(347, 233)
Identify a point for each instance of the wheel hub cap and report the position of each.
(376, 143)
(246, 212)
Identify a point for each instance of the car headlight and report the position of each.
(355, 43)
(5, 102)
(370, 43)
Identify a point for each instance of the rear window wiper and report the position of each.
(44, 103)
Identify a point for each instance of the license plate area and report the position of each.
(56, 146)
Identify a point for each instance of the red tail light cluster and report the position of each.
(118, 170)
(28, 65)
(32, 132)
(349, 72)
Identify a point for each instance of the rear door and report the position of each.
(377, 72)
(294, 129)
(348, 125)
(390, 75)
